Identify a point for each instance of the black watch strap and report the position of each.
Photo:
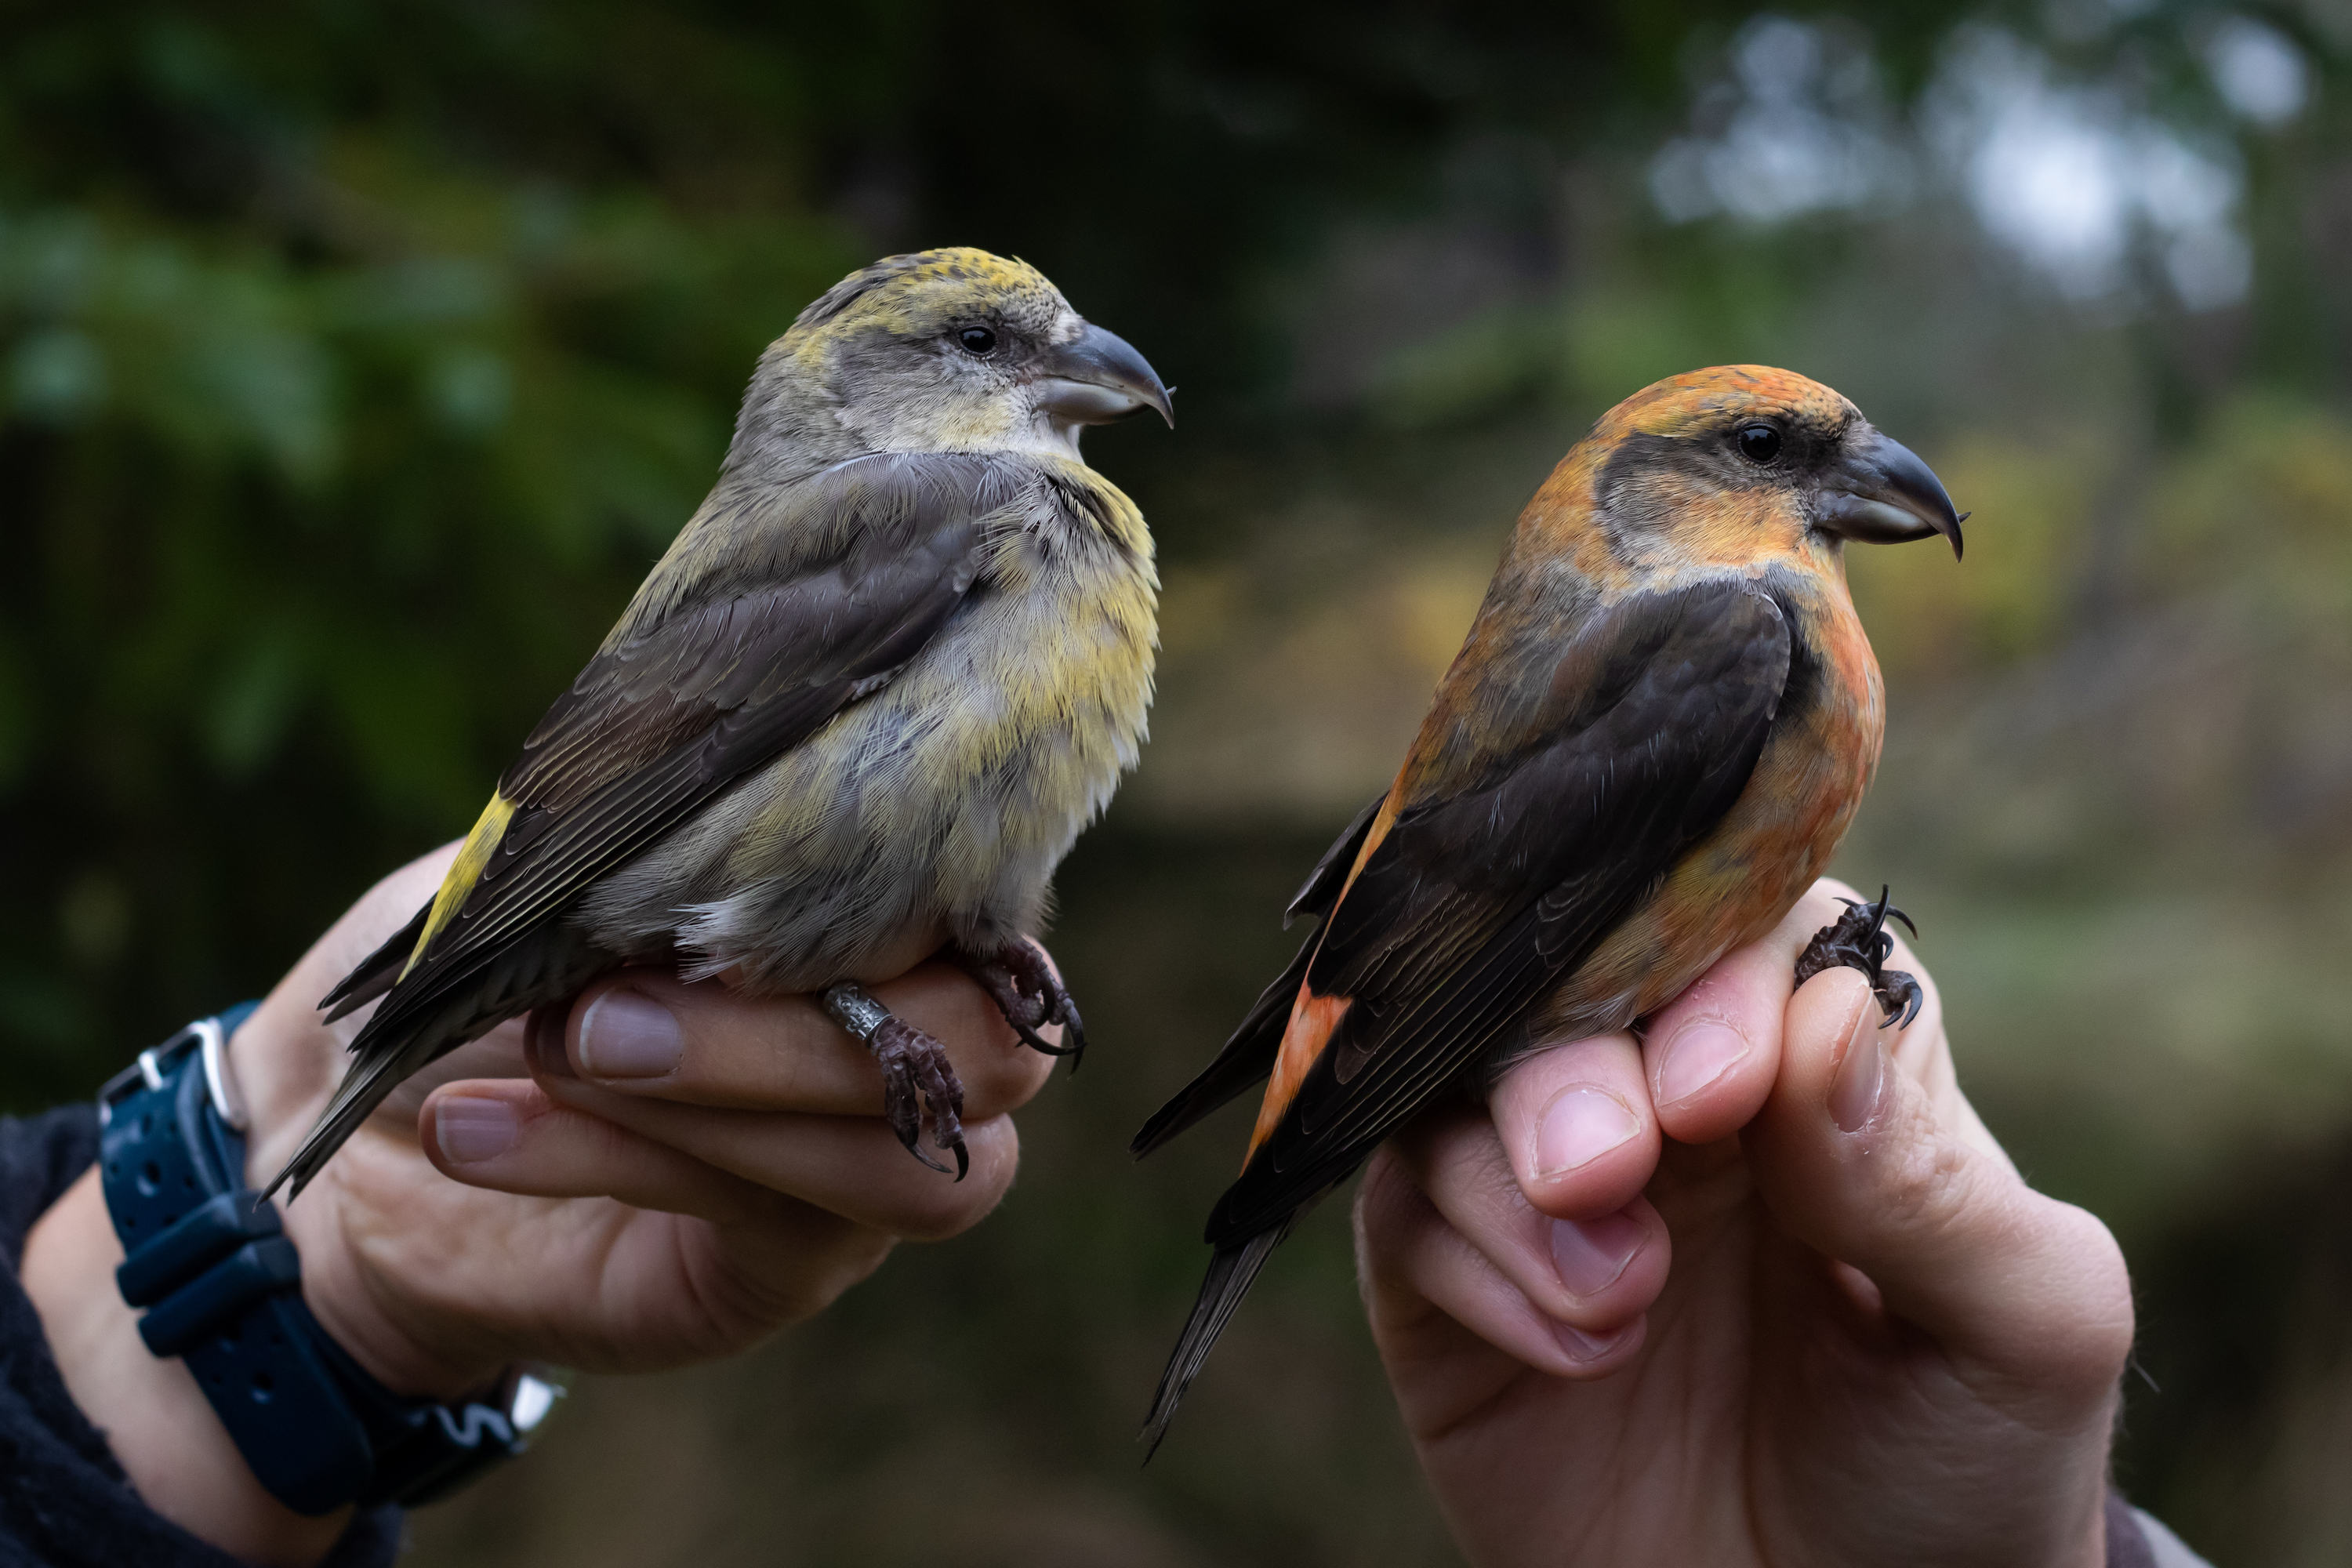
(209, 1259)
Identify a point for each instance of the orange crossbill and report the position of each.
(858, 713)
(1655, 734)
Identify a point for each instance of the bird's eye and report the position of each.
(978, 341)
(1758, 443)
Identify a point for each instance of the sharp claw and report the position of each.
(1029, 998)
(1899, 996)
(1073, 1031)
(908, 1130)
(1882, 911)
(1037, 1042)
(1858, 940)
(916, 1078)
(1899, 992)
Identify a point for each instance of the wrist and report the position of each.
(221, 1281)
(160, 1428)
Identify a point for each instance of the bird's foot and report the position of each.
(917, 1077)
(1030, 996)
(1859, 940)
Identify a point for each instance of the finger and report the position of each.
(1913, 1042)
(1576, 1123)
(766, 1257)
(1595, 1274)
(1854, 1161)
(645, 1033)
(1711, 1053)
(509, 1136)
(1924, 1051)
(851, 1166)
(1412, 1253)
(498, 1054)
(1918, 1048)
(1921, 1048)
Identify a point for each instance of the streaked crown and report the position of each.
(915, 294)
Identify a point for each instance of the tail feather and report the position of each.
(377, 971)
(1251, 1050)
(1231, 1273)
(412, 1029)
(1248, 1057)
(364, 1087)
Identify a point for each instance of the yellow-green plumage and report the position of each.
(936, 810)
(472, 856)
(859, 709)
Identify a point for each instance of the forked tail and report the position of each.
(1231, 1273)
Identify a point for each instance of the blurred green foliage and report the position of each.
(356, 358)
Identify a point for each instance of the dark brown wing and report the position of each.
(1480, 897)
(661, 720)
(1250, 1051)
(847, 575)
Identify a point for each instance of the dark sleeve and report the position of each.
(64, 1502)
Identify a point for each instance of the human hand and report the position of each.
(550, 1192)
(1757, 1289)
(608, 1209)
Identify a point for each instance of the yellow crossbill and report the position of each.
(1653, 740)
(857, 712)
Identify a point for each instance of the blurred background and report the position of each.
(357, 358)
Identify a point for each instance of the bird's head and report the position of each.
(947, 351)
(1725, 465)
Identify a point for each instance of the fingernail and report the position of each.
(626, 1033)
(470, 1130)
(1591, 1253)
(1861, 1082)
(1579, 1126)
(543, 1037)
(1696, 1058)
(1582, 1346)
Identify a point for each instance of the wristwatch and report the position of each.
(210, 1261)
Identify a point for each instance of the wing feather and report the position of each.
(675, 708)
(1250, 1051)
(1484, 892)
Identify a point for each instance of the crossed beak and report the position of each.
(1881, 493)
(1097, 377)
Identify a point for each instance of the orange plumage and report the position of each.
(1656, 732)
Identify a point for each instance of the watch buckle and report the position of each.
(147, 1073)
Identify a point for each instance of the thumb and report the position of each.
(1853, 1160)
